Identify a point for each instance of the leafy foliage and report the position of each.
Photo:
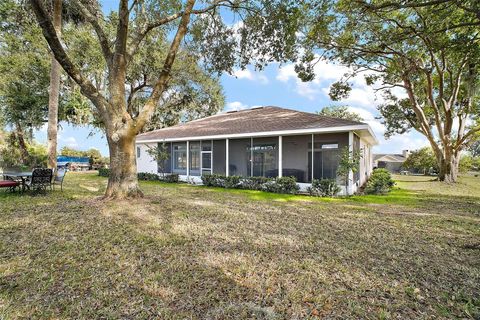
(103, 172)
(146, 51)
(340, 112)
(421, 161)
(254, 183)
(172, 178)
(11, 154)
(324, 188)
(474, 148)
(421, 57)
(147, 176)
(276, 185)
(160, 155)
(282, 185)
(349, 162)
(379, 182)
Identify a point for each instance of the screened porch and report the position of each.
(276, 156)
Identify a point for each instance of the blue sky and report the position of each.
(276, 85)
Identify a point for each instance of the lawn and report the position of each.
(186, 252)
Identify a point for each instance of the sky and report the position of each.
(276, 85)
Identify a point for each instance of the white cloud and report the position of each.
(243, 74)
(362, 99)
(237, 105)
(70, 142)
(286, 73)
(326, 73)
(248, 74)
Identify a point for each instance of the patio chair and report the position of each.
(41, 179)
(9, 185)
(58, 178)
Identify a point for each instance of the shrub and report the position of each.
(103, 172)
(380, 182)
(278, 185)
(254, 183)
(282, 185)
(171, 178)
(324, 188)
(148, 176)
(231, 182)
(212, 180)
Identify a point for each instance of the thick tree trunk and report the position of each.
(122, 181)
(54, 92)
(448, 168)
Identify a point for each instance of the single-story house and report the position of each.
(263, 141)
(391, 162)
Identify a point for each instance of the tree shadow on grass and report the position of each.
(114, 266)
(173, 257)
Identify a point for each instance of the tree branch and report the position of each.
(160, 85)
(155, 24)
(92, 18)
(86, 87)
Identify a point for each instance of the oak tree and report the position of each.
(423, 56)
(267, 33)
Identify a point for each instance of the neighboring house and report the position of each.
(391, 162)
(264, 141)
(74, 163)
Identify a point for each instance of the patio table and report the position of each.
(23, 176)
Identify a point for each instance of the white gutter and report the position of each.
(268, 134)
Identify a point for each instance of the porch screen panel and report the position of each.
(356, 149)
(265, 157)
(219, 157)
(295, 158)
(327, 152)
(239, 157)
(165, 165)
(179, 155)
(195, 158)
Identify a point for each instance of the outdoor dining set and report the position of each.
(39, 179)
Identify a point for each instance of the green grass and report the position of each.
(186, 252)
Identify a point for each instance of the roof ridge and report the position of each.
(316, 114)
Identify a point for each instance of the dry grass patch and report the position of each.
(190, 252)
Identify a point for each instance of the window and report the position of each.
(138, 152)
(326, 158)
(239, 157)
(264, 159)
(180, 157)
(194, 156)
(165, 166)
(207, 145)
(356, 149)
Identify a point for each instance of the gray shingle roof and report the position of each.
(389, 157)
(262, 119)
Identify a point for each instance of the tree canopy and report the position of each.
(341, 112)
(421, 161)
(423, 57)
(198, 32)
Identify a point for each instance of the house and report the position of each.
(391, 162)
(263, 141)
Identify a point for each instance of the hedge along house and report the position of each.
(264, 141)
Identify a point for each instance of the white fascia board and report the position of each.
(266, 134)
